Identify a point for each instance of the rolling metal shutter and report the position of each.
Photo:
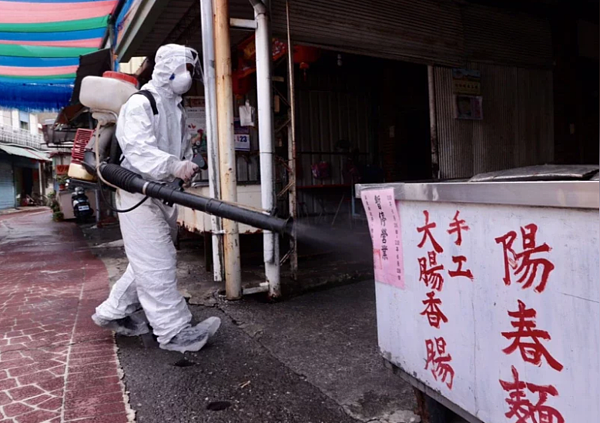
(439, 32)
(507, 38)
(7, 187)
(425, 31)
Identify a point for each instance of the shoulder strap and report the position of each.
(150, 98)
(116, 155)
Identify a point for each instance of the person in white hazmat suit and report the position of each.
(153, 146)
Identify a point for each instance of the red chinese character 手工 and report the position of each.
(456, 227)
(431, 276)
(432, 310)
(459, 260)
(426, 230)
(524, 263)
(439, 361)
(521, 409)
(527, 338)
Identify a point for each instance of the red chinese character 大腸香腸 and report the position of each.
(432, 310)
(431, 276)
(439, 361)
(426, 230)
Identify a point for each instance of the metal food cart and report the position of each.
(488, 291)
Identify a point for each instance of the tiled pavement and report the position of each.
(55, 364)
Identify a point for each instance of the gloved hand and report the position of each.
(185, 170)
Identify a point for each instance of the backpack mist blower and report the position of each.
(99, 159)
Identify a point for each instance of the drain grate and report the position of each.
(183, 363)
(218, 405)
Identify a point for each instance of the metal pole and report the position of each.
(210, 95)
(98, 210)
(265, 135)
(41, 178)
(435, 160)
(293, 199)
(227, 159)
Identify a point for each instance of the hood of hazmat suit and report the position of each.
(152, 145)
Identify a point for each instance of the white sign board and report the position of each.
(195, 116)
(241, 137)
(242, 142)
(499, 309)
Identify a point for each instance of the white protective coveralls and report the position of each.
(152, 146)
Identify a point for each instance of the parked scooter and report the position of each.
(81, 204)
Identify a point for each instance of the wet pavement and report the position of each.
(233, 379)
(312, 358)
(330, 337)
(55, 365)
(321, 347)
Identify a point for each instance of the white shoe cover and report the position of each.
(193, 338)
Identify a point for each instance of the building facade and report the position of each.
(25, 167)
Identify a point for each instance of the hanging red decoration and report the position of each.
(240, 82)
(306, 55)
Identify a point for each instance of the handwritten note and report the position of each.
(384, 225)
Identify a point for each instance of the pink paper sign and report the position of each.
(384, 224)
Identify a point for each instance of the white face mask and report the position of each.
(181, 82)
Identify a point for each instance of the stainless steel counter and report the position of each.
(562, 194)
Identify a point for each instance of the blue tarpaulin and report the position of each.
(40, 49)
(34, 97)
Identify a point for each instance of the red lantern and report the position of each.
(306, 55)
(240, 82)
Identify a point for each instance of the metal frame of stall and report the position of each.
(549, 192)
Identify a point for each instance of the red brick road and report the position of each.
(55, 364)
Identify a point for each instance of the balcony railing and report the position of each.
(21, 137)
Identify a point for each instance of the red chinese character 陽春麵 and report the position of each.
(459, 270)
(527, 338)
(426, 230)
(524, 263)
(439, 361)
(457, 226)
(525, 411)
(432, 310)
(431, 276)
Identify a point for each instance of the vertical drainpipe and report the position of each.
(212, 147)
(227, 159)
(44, 170)
(266, 144)
(41, 177)
(293, 199)
(98, 209)
(435, 159)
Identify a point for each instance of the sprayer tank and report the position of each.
(108, 92)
